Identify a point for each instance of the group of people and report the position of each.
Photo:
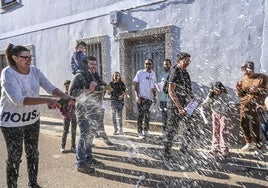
(174, 94)
(20, 115)
(252, 90)
(177, 93)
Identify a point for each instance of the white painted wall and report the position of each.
(219, 35)
(264, 55)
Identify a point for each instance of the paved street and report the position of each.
(131, 159)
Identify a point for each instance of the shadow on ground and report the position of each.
(199, 163)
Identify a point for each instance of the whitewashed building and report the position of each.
(219, 35)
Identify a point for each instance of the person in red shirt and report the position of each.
(69, 117)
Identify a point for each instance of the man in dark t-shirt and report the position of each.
(180, 94)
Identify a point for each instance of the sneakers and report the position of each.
(116, 133)
(107, 141)
(86, 169)
(258, 154)
(162, 134)
(225, 154)
(248, 147)
(217, 153)
(101, 134)
(213, 152)
(62, 149)
(121, 132)
(34, 185)
(73, 149)
(141, 135)
(146, 134)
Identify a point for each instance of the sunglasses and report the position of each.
(148, 63)
(186, 61)
(26, 57)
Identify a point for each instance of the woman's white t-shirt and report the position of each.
(16, 87)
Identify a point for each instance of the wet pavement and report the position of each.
(134, 162)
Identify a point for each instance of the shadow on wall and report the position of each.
(131, 23)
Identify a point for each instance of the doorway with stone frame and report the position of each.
(135, 47)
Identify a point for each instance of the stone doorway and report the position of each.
(135, 47)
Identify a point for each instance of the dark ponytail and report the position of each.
(13, 50)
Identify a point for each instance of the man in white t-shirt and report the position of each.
(145, 93)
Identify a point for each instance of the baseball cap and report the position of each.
(248, 65)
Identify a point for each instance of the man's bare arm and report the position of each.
(137, 94)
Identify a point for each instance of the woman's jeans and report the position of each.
(14, 137)
(117, 109)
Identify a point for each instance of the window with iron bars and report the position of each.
(8, 3)
(95, 51)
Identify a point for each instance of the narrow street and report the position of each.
(132, 159)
